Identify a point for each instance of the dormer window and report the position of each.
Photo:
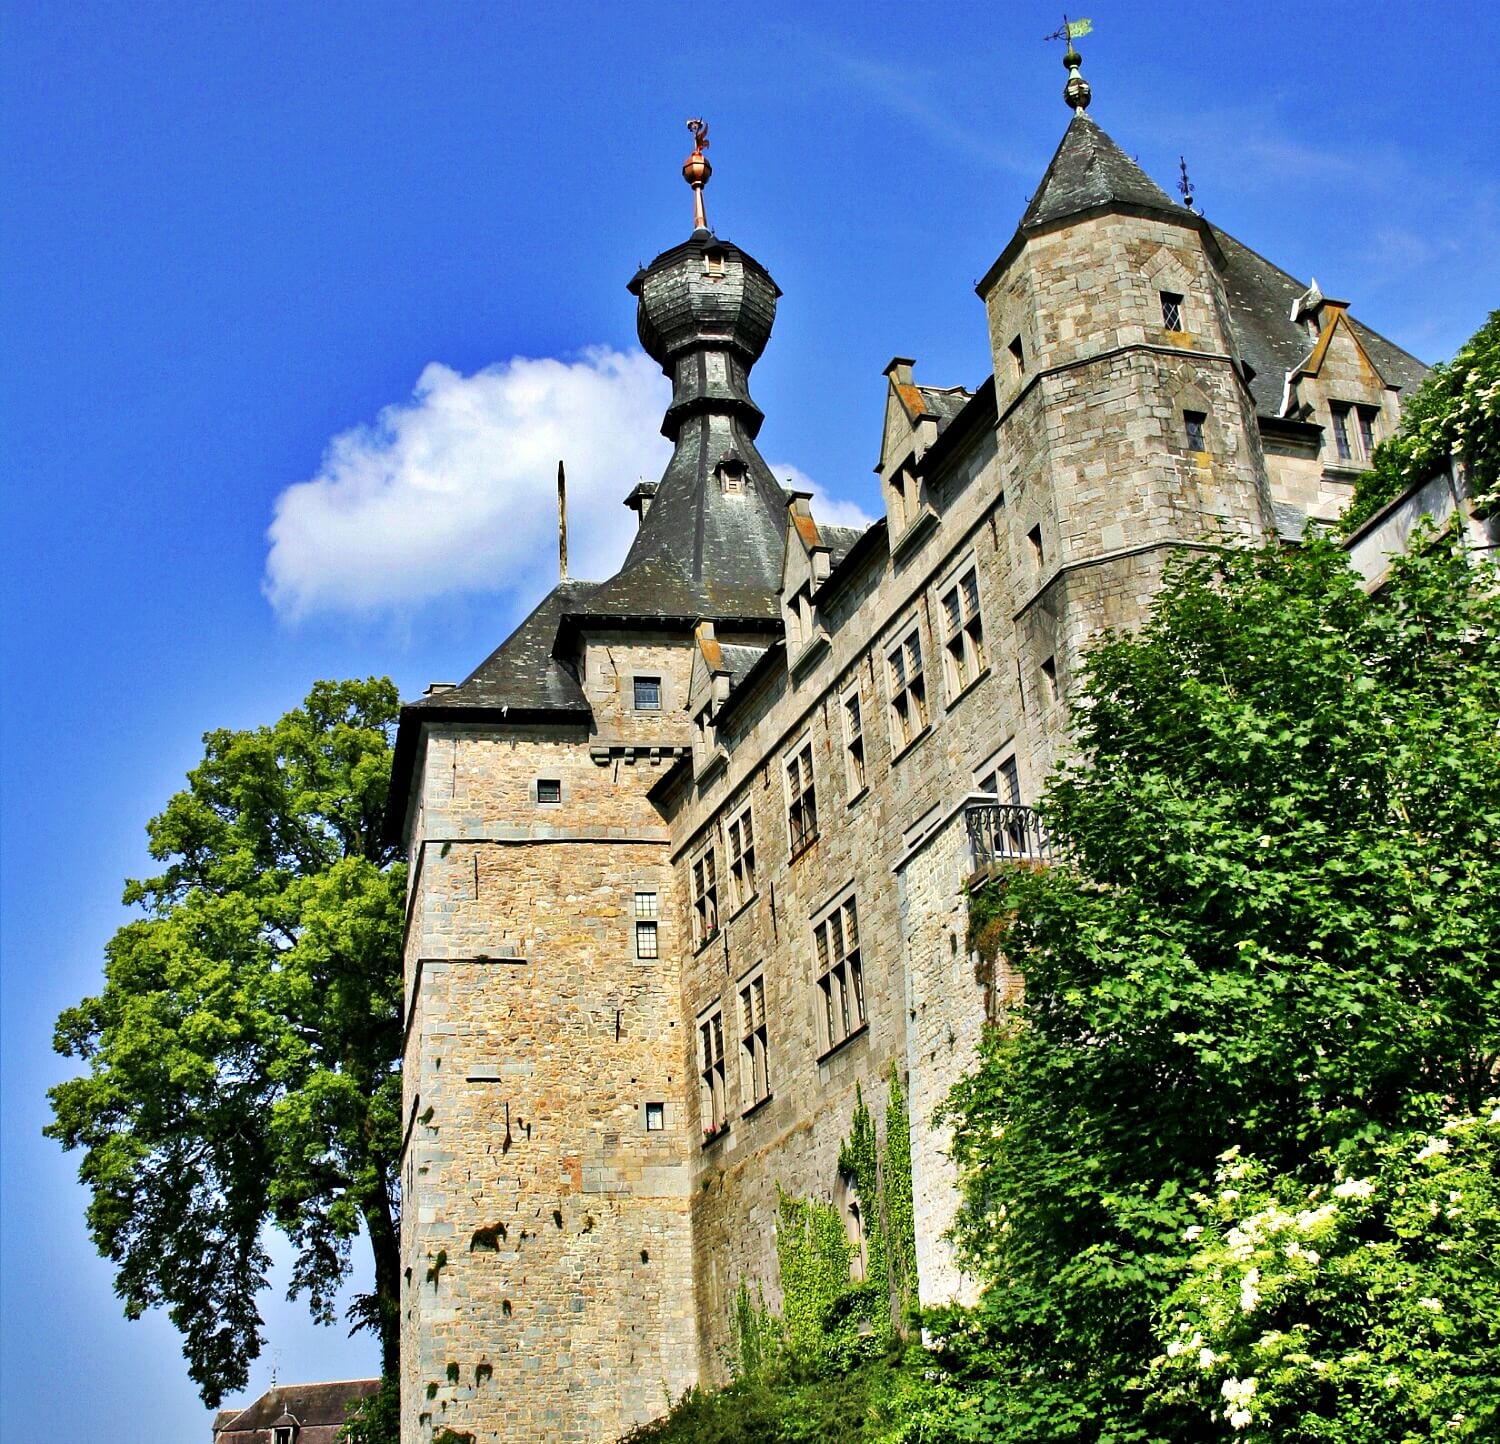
(907, 491)
(283, 1434)
(713, 263)
(1341, 441)
(801, 607)
(731, 474)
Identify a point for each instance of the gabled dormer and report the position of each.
(805, 566)
(914, 417)
(1338, 386)
(708, 690)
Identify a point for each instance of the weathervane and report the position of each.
(1076, 92)
(696, 171)
(1184, 185)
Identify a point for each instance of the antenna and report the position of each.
(562, 523)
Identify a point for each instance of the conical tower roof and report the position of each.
(1090, 170)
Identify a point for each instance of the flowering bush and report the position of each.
(1364, 1310)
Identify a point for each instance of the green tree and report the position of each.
(1276, 929)
(1454, 413)
(243, 1054)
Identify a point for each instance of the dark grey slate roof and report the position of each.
(521, 674)
(739, 659)
(1090, 170)
(1260, 306)
(1291, 521)
(319, 1408)
(840, 541)
(944, 402)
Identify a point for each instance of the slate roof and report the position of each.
(840, 541)
(944, 402)
(1090, 170)
(319, 1408)
(738, 659)
(1260, 307)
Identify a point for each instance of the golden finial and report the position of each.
(696, 171)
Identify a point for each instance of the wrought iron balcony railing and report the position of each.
(1006, 832)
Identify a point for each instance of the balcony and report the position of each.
(1005, 832)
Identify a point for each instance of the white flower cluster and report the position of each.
(1237, 1395)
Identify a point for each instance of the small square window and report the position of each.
(656, 1117)
(548, 791)
(646, 905)
(1192, 422)
(1171, 310)
(648, 694)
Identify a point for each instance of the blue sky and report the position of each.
(358, 269)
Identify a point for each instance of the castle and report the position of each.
(687, 849)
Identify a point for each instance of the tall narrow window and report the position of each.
(1003, 782)
(854, 743)
(755, 1080)
(648, 694)
(908, 495)
(742, 858)
(646, 923)
(841, 982)
(705, 898)
(656, 1117)
(908, 689)
(965, 632)
(1018, 355)
(1049, 679)
(1034, 537)
(1366, 415)
(1193, 422)
(801, 799)
(803, 617)
(1171, 310)
(711, 1100)
(1341, 442)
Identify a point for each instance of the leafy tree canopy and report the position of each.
(1276, 931)
(1454, 413)
(242, 1056)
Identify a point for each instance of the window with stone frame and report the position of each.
(1367, 416)
(647, 694)
(803, 617)
(906, 491)
(741, 840)
(1171, 311)
(1194, 423)
(908, 689)
(705, 897)
(1342, 443)
(1001, 780)
(854, 741)
(711, 1098)
(801, 799)
(755, 1078)
(964, 642)
(647, 920)
(841, 981)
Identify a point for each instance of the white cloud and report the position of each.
(831, 510)
(455, 490)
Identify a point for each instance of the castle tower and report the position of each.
(1127, 427)
(546, 1168)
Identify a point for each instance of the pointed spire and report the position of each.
(695, 171)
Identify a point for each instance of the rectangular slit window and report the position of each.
(1341, 432)
(711, 1073)
(648, 694)
(548, 790)
(1192, 422)
(854, 743)
(802, 801)
(1049, 678)
(908, 689)
(1038, 555)
(755, 1079)
(1171, 310)
(841, 983)
(1018, 355)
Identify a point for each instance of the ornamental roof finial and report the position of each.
(696, 171)
(1076, 92)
